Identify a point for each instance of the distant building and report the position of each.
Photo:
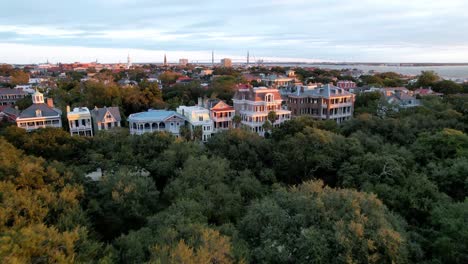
(11, 96)
(129, 62)
(221, 114)
(156, 121)
(39, 114)
(291, 73)
(346, 85)
(206, 72)
(425, 92)
(198, 116)
(184, 80)
(326, 103)
(402, 99)
(105, 118)
(226, 62)
(253, 106)
(79, 121)
(183, 62)
(277, 81)
(8, 113)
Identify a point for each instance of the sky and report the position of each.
(34, 31)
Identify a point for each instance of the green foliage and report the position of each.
(427, 79)
(312, 224)
(121, 201)
(451, 233)
(164, 199)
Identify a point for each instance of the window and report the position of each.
(77, 124)
(83, 122)
(109, 125)
(200, 118)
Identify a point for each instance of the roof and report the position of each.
(257, 94)
(47, 111)
(326, 91)
(99, 113)
(153, 115)
(8, 91)
(221, 106)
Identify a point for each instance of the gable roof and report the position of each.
(100, 113)
(47, 111)
(221, 106)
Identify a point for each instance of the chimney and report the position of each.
(50, 102)
(200, 102)
(68, 109)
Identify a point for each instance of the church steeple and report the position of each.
(165, 60)
(129, 61)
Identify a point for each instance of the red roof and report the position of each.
(184, 78)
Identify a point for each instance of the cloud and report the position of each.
(374, 30)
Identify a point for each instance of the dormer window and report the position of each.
(269, 98)
(38, 113)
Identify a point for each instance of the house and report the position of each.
(8, 113)
(402, 100)
(221, 114)
(39, 114)
(11, 96)
(226, 63)
(325, 103)
(79, 121)
(253, 106)
(105, 118)
(184, 80)
(277, 81)
(347, 85)
(425, 92)
(156, 121)
(198, 116)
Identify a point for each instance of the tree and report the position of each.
(427, 79)
(210, 247)
(272, 117)
(121, 202)
(197, 133)
(19, 77)
(237, 120)
(312, 224)
(207, 181)
(451, 232)
(447, 87)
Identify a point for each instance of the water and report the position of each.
(447, 72)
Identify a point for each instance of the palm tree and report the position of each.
(272, 117)
(237, 120)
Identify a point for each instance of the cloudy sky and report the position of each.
(33, 31)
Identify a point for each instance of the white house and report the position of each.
(154, 121)
(198, 116)
(79, 121)
(39, 114)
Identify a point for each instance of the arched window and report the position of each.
(269, 98)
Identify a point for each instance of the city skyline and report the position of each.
(279, 30)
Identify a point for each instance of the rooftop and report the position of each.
(153, 115)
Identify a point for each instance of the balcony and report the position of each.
(222, 119)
